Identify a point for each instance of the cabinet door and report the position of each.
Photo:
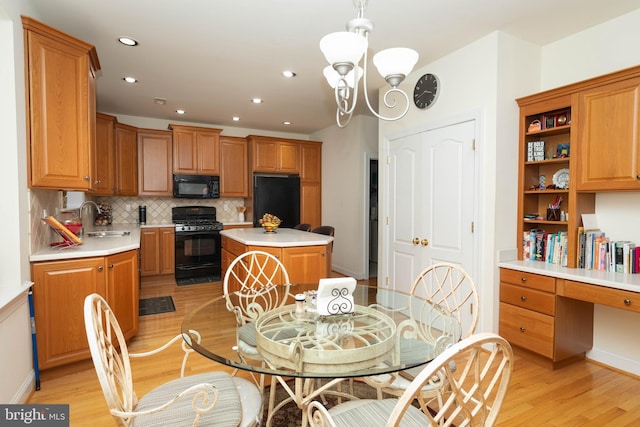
(59, 291)
(305, 264)
(167, 250)
(126, 160)
(609, 137)
(155, 163)
(233, 167)
(264, 156)
(59, 106)
(287, 160)
(149, 251)
(208, 152)
(311, 162)
(105, 176)
(123, 290)
(184, 152)
(310, 204)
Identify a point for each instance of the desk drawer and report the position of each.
(527, 329)
(530, 280)
(617, 298)
(528, 298)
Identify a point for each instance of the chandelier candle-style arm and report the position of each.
(344, 50)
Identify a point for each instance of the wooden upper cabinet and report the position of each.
(60, 73)
(155, 164)
(105, 173)
(609, 137)
(196, 150)
(126, 160)
(311, 162)
(234, 175)
(270, 154)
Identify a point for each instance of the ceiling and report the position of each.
(211, 58)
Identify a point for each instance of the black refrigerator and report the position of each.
(278, 195)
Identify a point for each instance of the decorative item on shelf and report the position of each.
(542, 182)
(534, 126)
(562, 151)
(269, 222)
(561, 179)
(241, 210)
(344, 50)
(553, 211)
(535, 151)
(553, 120)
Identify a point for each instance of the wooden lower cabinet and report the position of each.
(304, 264)
(534, 317)
(157, 251)
(60, 288)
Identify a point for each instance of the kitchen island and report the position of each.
(306, 256)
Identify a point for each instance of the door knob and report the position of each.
(415, 240)
(424, 242)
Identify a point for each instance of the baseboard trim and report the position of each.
(614, 361)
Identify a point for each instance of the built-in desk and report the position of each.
(547, 310)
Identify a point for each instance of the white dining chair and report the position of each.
(449, 287)
(209, 399)
(469, 395)
(254, 283)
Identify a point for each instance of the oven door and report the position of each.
(198, 255)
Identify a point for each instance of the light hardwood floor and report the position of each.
(582, 394)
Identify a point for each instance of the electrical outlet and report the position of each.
(127, 208)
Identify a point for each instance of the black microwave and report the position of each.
(196, 186)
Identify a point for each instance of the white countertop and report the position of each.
(282, 238)
(627, 282)
(93, 246)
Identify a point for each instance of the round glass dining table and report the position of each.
(387, 331)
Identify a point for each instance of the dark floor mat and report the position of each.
(198, 280)
(156, 305)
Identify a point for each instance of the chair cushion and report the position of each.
(227, 412)
(369, 412)
(247, 333)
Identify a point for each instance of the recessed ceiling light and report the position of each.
(236, 119)
(286, 123)
(130, 79)
(128, 41)
(288, 73)
(160, 101)
(180, 111)
(256, 101)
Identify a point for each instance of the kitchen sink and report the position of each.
(109, 233)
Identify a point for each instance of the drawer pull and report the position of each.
(523, 279)
(522, 329)
(523, 298)
(627, 301)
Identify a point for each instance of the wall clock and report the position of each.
(426, 91)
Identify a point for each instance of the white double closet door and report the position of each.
(430, 201)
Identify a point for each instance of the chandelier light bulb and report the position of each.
(395, 61)
(343, 47)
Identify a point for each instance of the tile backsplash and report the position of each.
(158, 211)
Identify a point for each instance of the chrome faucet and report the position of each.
(82, 206)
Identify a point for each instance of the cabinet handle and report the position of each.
(638, 176)
(99, 268)
(627, 301)
(415, 241)
(110, 265)
(86, 178)
(424, 242)
(523, 298)
(522, 329)
(523, 279)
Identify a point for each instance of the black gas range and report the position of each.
(198, 244)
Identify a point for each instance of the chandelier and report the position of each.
(344, 49)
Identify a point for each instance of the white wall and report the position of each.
(604, 48)
(345, 189)
(15, 365)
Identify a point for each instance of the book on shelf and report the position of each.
(627, 252)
